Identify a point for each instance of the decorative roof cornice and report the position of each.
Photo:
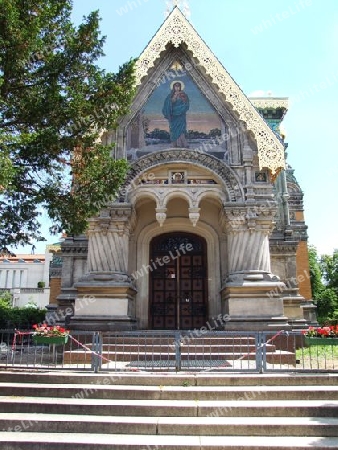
(177, 30)
(270, 102)
(53, 248)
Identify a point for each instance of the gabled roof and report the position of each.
(177, 30)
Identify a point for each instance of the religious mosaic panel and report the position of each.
(176, 115)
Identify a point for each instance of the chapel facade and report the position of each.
(208, 227)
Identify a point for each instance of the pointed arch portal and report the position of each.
(178, 282)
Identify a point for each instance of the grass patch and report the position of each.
(323, 357)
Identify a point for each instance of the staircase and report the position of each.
(145, 411)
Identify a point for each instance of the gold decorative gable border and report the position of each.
(178, 30)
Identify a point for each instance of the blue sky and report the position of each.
(287, 47)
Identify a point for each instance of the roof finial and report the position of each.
(182, 4)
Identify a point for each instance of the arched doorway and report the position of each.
(178, 282)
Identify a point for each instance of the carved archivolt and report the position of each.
(232, 185)
(177, 30)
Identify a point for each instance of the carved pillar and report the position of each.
(301, 312)
(108, 237)
(248, 251)
(106, 299)
(251, 293)
(248, 230)
(247, 159)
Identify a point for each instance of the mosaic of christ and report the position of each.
(176, 115)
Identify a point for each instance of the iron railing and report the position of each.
(207, 351)
(18, 350)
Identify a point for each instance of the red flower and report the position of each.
(50, 331)
(330, 332)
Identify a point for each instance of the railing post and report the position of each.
(260, 354)
(178, 351)
(93, 355)
(97, 350)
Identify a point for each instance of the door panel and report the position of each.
(178, 282)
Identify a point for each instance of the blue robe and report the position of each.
(175, 112)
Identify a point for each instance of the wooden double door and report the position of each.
(178, 282)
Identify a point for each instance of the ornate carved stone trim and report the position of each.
(74, 246)
(248, 218)
(161, 215)
(283, 247)
(115, 218)
(270, 103)
(194, 215)
(53, 248)
(234, 189)
(177, 30)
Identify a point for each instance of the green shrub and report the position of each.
(18, 317)
(6, 299)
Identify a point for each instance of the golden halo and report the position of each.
(177, 81)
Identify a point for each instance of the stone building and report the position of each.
(209, 226)
(26, 278)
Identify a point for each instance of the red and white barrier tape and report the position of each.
(23, 333)
(250, 353)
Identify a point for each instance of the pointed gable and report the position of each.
(177, 30)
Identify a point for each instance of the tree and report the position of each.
(215, 132)
(316, 281)
(329, 265)
(324, 284)
(54, 99)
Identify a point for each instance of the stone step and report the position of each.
(170, 348)
(188, 426)
(159, 347)
(153, 379)
(186, 392)
(185, 340)
(74, 441)
(148, 411)
(84, 357)
(175, 408)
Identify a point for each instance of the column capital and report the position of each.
(120, 211)
(259, 217)
(234, 219)
(114, 219)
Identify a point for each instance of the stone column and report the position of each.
(106, 299)
(74, 252)
(251, 293)
(248, 250)
(301, 313)
(108, 237)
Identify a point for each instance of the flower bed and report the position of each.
(45, 334)
(57, 340)
(320, 341)
(321, 335)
